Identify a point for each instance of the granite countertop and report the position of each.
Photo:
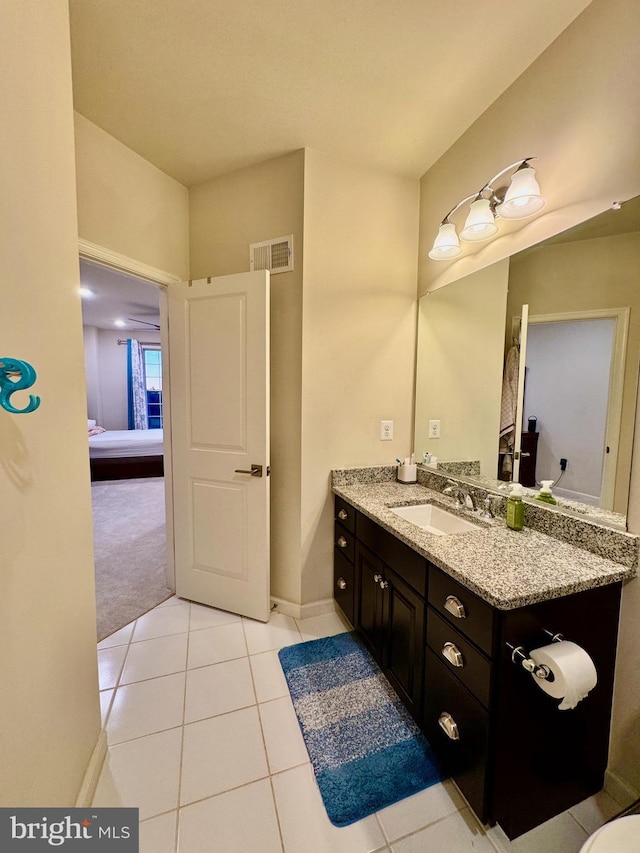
(506, 568)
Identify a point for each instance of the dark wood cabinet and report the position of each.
(369, 571)
(389, 611)
(517, 758)
(344, 580)
(528, 458)
(390, 618)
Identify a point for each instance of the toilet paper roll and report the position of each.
(574, 673)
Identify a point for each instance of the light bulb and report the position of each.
(523, 197)
(446, 245)
(480, 223)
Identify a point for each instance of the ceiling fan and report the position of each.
(144, 322)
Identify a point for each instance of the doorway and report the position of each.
(573, 394)
(123, 322)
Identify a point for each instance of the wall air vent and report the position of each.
(273, 255)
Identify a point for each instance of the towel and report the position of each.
(508, 407)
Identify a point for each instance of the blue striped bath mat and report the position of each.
(366, 750)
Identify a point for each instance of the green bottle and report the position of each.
(515, 508)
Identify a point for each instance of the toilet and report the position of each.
(620, 836)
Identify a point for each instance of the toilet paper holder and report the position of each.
(520, 656)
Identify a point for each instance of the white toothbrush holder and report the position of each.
(407, 473)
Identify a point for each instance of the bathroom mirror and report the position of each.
(466, 329)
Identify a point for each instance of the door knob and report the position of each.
(256, 470)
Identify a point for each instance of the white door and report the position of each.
(219, 369)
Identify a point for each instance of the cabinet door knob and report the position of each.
(384, 584)
(341, 583)
(377, 578)
(449, 726)
(342, 542)
(342, 515)
(453, 654)
(455, 607)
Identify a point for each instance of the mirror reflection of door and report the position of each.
(567, 390)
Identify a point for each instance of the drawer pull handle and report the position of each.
(453, 654)
(455, 607)
(341, 583)
(342, 542)
(342, 515)
(449, 726)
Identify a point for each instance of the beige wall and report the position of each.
(580, 276)
(577, 108)
(227, 215)
(358, 336)
(50, 716)
(459, 368)
(127, 205)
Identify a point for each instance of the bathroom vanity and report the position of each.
(442, 615)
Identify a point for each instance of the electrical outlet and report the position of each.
(386, 430)
(434, 429)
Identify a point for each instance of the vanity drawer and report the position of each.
(465, 759)
(344, 584)
(404, 561)
(345, 514)
(476, 617)
(344, 541)
(460, 657)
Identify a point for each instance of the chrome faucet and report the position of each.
(463, 499)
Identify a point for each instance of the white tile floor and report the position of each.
(203, 739)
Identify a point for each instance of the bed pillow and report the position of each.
(91, 423)
(96, 430)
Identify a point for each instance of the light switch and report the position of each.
(434, 429)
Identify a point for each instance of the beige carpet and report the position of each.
(130, 550)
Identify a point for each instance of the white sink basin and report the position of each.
(434, 519)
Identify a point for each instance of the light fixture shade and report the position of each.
(480, 223)
(446, 245)
(523, 197)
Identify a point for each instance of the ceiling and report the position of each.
(114, 296)
(201, 88)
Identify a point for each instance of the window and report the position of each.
(153, 385)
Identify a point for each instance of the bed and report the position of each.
(121, 454)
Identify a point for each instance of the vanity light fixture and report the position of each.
(521, 199)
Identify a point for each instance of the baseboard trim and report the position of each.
(618, 788)
(92, 773)
(303, 611)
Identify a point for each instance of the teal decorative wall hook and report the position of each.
(16, 375)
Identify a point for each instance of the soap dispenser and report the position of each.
(545, 492)
(515, 508)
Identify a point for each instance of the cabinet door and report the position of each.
(403, 656)
(368, 611)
